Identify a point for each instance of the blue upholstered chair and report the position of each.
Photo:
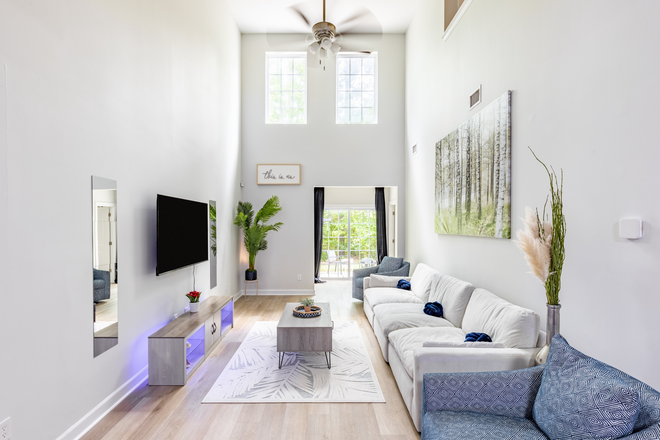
(101, 285)
(571, 396)
(390, 266)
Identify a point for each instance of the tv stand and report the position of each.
(177, 350)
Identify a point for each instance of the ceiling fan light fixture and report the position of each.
(326, 43)
(314, 47)
(335, 48)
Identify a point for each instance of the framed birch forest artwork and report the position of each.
(473, 175)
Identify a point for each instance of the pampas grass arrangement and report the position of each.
(542, 242)
(534, 241)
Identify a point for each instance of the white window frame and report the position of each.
(269, 55)
(373, 55)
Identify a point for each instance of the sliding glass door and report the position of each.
(349, 241)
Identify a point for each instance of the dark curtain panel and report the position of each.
(319, 195)
(381, 224)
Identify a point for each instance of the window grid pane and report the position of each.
(345, 247)
(356, 91)
(287, 90)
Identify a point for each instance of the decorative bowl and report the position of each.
(299, 312)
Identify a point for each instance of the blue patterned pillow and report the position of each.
(390, 264)
(581, 398)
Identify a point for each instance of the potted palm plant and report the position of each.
(255, 229)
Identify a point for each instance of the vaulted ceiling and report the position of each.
(279, 16)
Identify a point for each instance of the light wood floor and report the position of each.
(106, 310)
(164, 412)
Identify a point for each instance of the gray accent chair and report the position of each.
(359, 274)
(101, 285)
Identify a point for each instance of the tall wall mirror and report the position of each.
(105, 269)
(213, 259)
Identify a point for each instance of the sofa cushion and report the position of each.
(464, 344)
(390, 264)
(579, 398)
(422, 280)
(465, 425)
(393, 317)
(454, 296)
(514, 326)
(405, 341)
(389, 295)
(376, 280)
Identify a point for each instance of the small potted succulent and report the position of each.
(308, 303)
(194, 300)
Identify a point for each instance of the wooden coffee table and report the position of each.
(305, 334)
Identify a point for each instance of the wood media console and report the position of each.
(177, 350)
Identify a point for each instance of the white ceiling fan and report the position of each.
(325, 39)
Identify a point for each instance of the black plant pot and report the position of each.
(250, 275)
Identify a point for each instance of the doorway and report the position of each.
(105, 239)
(349, 241)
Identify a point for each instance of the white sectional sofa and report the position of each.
(415, 343)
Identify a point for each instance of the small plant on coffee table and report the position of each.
(308, 303)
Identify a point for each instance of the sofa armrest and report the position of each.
(463, 360)
(366, 281)
(505, 393)
(403, 271)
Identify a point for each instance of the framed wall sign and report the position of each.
(278, 174)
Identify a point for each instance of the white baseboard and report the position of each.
(238, 295)
(82, 426)
(281, 292)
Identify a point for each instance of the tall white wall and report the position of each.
(148, 94)
(585, 98)
(330, 154)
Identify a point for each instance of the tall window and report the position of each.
(357, 88)
(349, 241)
(286, 88)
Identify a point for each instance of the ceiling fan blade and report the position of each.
(370, 26)
(301, 14)
(355, 43)
(350, 18)
(349, 49)
(357, 17)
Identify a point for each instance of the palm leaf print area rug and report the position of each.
(253, 376)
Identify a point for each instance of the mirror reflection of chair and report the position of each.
(101, 285)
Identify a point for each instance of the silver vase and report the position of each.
(551, 329)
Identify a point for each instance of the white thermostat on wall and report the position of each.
(631, 228)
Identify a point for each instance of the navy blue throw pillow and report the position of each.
(433, 309)
(477, 337)
(403, 284)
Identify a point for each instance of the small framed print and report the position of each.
(278, 174)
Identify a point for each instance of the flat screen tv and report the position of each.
(183, 233)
